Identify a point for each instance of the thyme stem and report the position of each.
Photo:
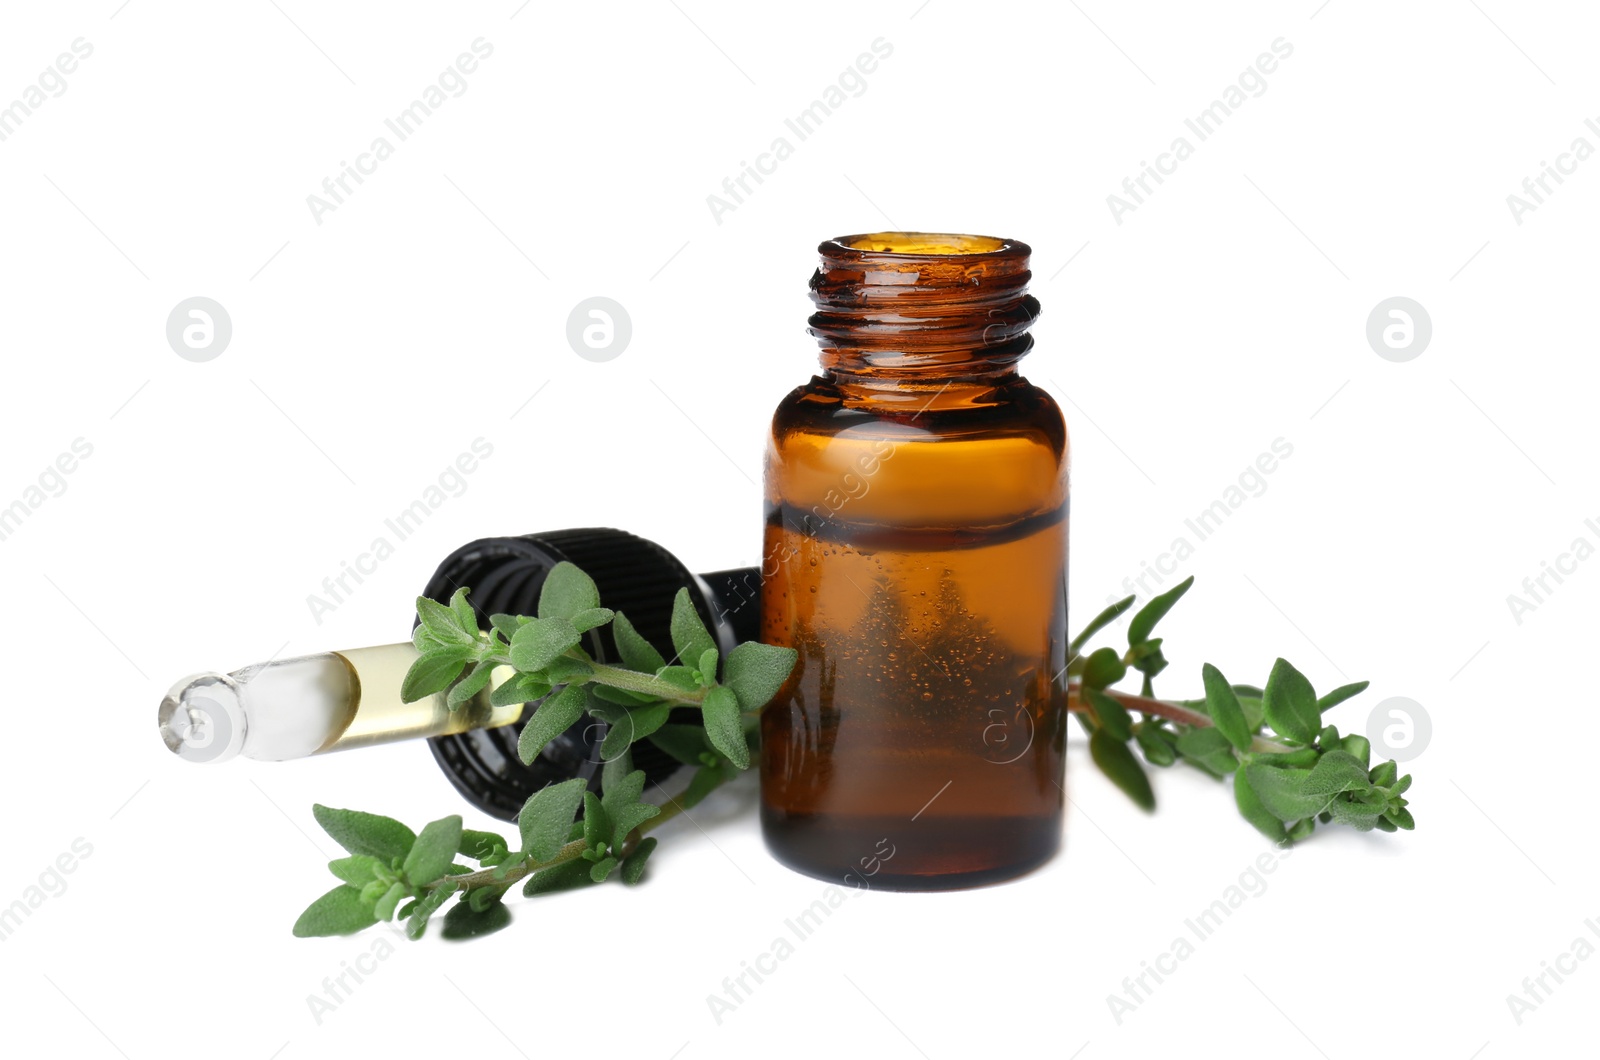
(1163, 708)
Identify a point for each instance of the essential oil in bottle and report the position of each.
(915, 557)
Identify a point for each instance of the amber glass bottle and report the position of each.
(915, 557)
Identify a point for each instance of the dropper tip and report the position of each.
(202, 719)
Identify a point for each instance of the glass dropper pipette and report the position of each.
(313, 704)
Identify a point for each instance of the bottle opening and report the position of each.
(927, 244)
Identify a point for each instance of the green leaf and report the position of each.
(617, 781)
(756, 672)
(1254, 714)
(602, 869)
(1250, 807)
(1223, 706)
(686, 743)
(596, 824)
(1118, 763)
(618, 738)
(637, 653)
(442, 622)
(622, 803)
(470, 685)
(384, 909)
(708, 666)
(1154, 611)
(689, 634)
(366, 833)
(506, 625)
(591, 617)
(1111, 715)
(1158, 744)
(546, 817)
(1384, 774)
(357, 869)
(562, 877)
(1099, 622)
(628, 819)
(1303, 757)
(523, 688)
(1336, 772)
(423, 640)
(1283, 792)
(339, 912)
(1340, 694)
(620, 789)
(465, 921)
(555, 716)
(542, 641)
(432, 671)
(1209, 749)
(480, 898)
(1359, 747)
(1103, 669)
(724, 727)
(1291, 704)
(426, 906)
(633, 864)
(1402, 819)
(566, 669)
(430, 856)
(567, 591)
(482, 846)
(1146, 657)
(466, 617)
(634, 725)
(1360, 816)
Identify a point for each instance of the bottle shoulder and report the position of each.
(936, 412)
(977, 459)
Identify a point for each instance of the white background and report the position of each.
(429, 309)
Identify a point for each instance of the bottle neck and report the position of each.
(910, 310)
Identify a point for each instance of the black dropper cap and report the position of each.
(634, 576)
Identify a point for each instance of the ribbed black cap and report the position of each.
(635, 576)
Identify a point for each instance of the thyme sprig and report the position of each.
(393, 872)
(1290, 771)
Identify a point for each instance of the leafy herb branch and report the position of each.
(1290, 771)
(393, 872)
